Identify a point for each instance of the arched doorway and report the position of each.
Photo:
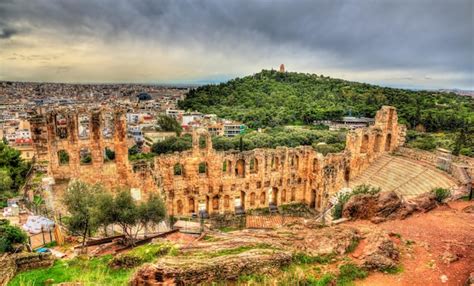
(364, 144)
(252, 199)
(240, 168)
(312, 200)
(378, 143)
(388, 142)
(191, 205)
(347, 174)
(283, 196)
(274, 198)
(215, 203)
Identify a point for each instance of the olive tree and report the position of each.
(131, 216)
(80, 200)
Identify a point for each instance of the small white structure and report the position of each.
(36, 224)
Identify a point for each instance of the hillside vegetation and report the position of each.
(270, 98)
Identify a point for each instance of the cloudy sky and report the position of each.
(403, 43)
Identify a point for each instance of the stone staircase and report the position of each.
(404, 176)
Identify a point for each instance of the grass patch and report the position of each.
(393, 270)
(441, 194)
(348, 273)
(353, 245)
(149, 252)
(94, 271)
(303, 258)
(252, 278)
(88, 271)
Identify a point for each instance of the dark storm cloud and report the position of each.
(7, 32)
(357, 35)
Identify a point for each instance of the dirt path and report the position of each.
(425, 238)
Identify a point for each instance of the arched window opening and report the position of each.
(108, 125)
(109, 155)
(275, 163)
(312, 201)
(378, 143)
(61, 126)
(85, 156)
(191, 205)
(63, 157)
(283, 196)
(227, 167)
(262, 198)
(388, 142)
(252, 199)
(274, 198)
(347, 174)
(202, 168)
(364, 144)
(253, 165)
(202, 142)
(178, 169)
(240, 168)
(215, 203)
(84, 126)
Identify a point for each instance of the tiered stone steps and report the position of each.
(404, 176)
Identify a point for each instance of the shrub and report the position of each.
(10, 235)
(125, 261)
(350, 272)
(441, 194)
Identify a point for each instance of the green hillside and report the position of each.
(271, 98)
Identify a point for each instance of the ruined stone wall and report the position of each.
(217, 181)
(81, 133)
(203, 178)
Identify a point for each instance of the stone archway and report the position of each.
(312, 200)
(191, 205)
(283, 196)
(274, 198)
(240, 168)
(365, 144)
(388, 142)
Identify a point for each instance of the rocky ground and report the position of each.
(436, 248)
(425, 248)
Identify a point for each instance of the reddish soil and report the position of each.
(424, 239)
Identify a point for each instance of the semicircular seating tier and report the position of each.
(406, 177)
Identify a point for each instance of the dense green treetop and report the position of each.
(270, 98)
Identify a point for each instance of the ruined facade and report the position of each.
(90, 145)
(215, 181)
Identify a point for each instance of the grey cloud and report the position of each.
(365, 35)
(6, 31)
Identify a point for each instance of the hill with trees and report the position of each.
(271, 98)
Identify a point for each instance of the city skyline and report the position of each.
(427, 44)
